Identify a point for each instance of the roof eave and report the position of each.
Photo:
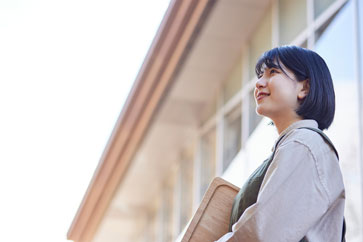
(166, 52)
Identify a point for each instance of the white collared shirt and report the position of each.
(302, 193)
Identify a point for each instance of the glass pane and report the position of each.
(165, 216)
(261, 41)
(232, 136)
(254, 118)
(208, 160)
(186, 200)
(292, 19)
(360, 17)
(335, 44)
(320, 6)
(234, 82)
(322, 29)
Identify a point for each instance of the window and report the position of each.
(260, 42)
(320, 6)
(233, 83)
(292, 19)
(232, 135)
(164, 216)
(338, 35)
(360, 19)
(208, 160)
(186, 191)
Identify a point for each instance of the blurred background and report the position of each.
(189, 116)
(66, 68)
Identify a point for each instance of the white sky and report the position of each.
(66, 68)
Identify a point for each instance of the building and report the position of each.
(191, 114)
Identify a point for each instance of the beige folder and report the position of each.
(211, 220)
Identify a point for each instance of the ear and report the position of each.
(304, 88)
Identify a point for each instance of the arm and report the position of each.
(292, 198)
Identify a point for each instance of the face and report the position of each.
(277, 94)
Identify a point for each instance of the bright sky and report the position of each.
(66, 68)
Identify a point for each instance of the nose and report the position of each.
(261, 83)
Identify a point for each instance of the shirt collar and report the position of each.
(298, 124)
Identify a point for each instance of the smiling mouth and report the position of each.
(262, 95)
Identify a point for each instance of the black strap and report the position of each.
(326, 138)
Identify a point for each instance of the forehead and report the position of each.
(269, 60)
(270, 65)
(274, 64)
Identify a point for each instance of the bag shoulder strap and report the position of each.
(325, 137)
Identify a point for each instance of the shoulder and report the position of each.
(321, 156)
(309, 139)
(305, 137)
(312, 142)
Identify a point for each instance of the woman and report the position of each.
(298, 193)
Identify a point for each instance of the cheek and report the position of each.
(287, 97)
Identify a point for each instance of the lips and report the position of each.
(261, 95)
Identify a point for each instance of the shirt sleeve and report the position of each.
(292, 198)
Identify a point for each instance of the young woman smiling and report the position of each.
(298, 193)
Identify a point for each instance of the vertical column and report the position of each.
(197, 172)
(220, 134)
(245, 114)
(177, 201)
(310, 23)
(358, 77)
(275, 24)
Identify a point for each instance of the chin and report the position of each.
(260, 111)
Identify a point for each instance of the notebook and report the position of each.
(211, 220)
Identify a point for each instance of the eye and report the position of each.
(273, 71)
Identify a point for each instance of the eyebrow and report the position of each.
(273, 66)
(267, 62)
(270, 66)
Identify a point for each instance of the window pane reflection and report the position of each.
(292, 19)
(320, 6)
(232, 136)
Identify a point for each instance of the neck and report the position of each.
(283, 123)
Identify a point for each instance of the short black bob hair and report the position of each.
(319, 104)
